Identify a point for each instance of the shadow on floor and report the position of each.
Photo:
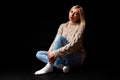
(85, 73)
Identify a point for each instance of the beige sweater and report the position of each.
(74, 35)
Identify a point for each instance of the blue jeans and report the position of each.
(71, 60)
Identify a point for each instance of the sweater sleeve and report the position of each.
(59, 32)
(71, 46)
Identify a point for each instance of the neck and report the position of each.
(73, 23)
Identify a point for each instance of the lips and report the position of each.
(71, 17)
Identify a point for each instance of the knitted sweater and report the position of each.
(74, 35)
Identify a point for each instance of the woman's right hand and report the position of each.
(51, 57)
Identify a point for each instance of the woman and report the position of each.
(67, 49)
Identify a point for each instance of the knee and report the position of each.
(58, 39)
(38, 54)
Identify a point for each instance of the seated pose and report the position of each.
(66, 50)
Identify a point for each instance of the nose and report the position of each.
(72, 14)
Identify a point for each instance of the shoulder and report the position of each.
(63, 24)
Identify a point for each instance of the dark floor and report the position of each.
(81, 73)
(92, 69)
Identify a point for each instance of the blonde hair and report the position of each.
(82, 16)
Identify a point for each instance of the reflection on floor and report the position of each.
(86, 73)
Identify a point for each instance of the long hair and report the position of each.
(81, 20)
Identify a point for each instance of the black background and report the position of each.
(31, 27)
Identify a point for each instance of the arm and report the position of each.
(51, 57)
(71, 46)
(59, 32)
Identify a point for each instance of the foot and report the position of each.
(64, 68)
(48, 68)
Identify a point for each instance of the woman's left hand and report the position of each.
(51, 57)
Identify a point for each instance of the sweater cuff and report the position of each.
(55, 54)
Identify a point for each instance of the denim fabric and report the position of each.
(72, 59)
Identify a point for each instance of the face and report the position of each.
(74, 14)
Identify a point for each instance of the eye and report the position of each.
(76, 14)
(71, 11)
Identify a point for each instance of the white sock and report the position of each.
(48, 68)
(64, 68)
